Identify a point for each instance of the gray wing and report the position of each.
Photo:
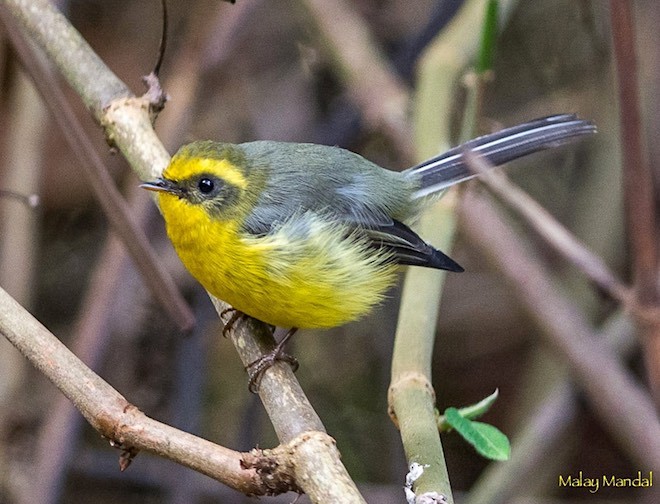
(336, 184)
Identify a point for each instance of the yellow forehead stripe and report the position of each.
(182, 168)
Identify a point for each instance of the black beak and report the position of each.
(161, 185)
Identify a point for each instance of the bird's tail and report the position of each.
(447, 169)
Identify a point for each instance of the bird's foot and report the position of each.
(258, 367)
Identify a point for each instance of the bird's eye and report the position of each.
(205, 185)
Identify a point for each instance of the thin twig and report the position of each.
(557, 236)
(619, 402)
(638, 179)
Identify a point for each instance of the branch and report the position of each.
(109, 412)
(623, 407)
(93, 168)
(411, 397)
(558, 237)
(638, 180)
(294, 418)
(638, 185)
(124, 117)
(127, 124)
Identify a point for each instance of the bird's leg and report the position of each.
(235, 316)
(258, 367)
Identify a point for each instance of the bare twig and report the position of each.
(294, 418)
(557, 236)
(127, 123)
(620, 403)
(638, 184)
(638, 179)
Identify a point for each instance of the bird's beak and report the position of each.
(161, 185)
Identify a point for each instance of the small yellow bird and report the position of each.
(309, 236)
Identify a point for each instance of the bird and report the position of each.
(300, 235)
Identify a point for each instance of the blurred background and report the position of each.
(266, 70)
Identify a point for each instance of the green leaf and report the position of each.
(470, 412)
(488, 440)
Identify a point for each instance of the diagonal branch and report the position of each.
(558, 237)
(127, 124)
(622, 405)
(99, 180)
(109, 412)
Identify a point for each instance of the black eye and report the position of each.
(205, 185)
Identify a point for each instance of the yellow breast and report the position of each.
(305, 274)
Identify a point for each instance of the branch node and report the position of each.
(274, 469)
(410, 379)
(155, 95)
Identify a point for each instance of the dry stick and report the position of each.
(623, 407)
(295, 421)
(638, 185)
(109, 412)
(557, 236)
(157, 279)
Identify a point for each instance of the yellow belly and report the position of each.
(300, 276)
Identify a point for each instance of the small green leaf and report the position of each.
(488, 440)
(470, 412)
